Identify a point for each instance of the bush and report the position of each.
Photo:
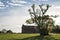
(9, 31)
(0, 32)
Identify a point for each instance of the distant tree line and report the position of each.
(56, 29)
(6, 31)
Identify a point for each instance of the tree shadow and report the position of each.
(38, 38)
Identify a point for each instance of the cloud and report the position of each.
(40, 0)
(11, 3)
(18, 1)
(15, 18)
(1, 4)
(54, 10)
(14, 4)
(56, 2)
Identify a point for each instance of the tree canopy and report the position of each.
(42, 21)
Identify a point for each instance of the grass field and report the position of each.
(29, 37)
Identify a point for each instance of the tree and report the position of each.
(4, 31)
(43, 22)
(9, 31)
(0, 32)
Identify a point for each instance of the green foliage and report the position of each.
(57, 29)
(9, 31)
(0, 32)
(29, 21)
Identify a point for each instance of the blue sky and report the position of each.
(13, 13)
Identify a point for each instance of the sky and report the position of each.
(14, 13)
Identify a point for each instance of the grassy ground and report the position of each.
(29, 37)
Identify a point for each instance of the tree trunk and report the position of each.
(44, 32)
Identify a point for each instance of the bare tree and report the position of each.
(42, 21)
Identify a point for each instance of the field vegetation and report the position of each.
(9, 36)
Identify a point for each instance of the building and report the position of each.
(29, 29)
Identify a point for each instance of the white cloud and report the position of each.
(14, 4)
(23, 2)
(40, 0)
(1, 4)
(54, 10)
(18, 1)
(15, 19)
